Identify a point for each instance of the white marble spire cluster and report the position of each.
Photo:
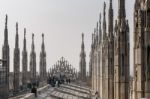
(16, 81)
(109, 59)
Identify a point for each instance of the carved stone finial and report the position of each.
(110, 3)
(100, 18)
(82, 37)
(17, 27)
(92, 38)
(42, 34)
(32, 36)
(24, 32)
(6, 20)
(104, 9)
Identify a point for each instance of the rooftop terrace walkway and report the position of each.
(67, 91)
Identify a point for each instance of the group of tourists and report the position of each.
(55, 81)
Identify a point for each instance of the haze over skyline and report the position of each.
(62, 22)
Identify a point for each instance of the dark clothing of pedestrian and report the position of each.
(34, 90)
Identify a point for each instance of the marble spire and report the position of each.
(16, 62)
(33, 62)
(5, 56)
(43, 61)
(82, 61)
(24, 61)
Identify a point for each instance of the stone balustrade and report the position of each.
(31, 95)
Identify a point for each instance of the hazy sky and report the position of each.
(62, 22)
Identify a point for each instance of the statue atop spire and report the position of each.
(110, 20)
(42, 37)
(104, 21)
(24, 44)
(82, 37)
(100, 30)
(121, 11)
(97, 36)
(110, 3)
(32, 42)
(17, 39)
(6, 19)
(82, 41)
(6, 31)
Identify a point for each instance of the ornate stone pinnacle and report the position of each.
(104, 9)
(42, 34)
(17, 27)
(32, 36)
(100, 18)
(6, 20)
(24, 32)
(82, 37)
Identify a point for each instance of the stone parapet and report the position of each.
(31, 95)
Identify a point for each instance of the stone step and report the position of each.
(78, 86)
(72, 92)
(75, 89)
(65, 96)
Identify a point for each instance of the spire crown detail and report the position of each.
(6, 19)
(17, 38)
(104, 10)
(100, 31)
(24, 39)
(24, 33)
(6, 31)
(43, 37)
(121, 13)
(82, 45)
(82, 37)
(17, 26)
(110, 3)
(32, 42)
(32, 38)
(104, 21)
(110, 20)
